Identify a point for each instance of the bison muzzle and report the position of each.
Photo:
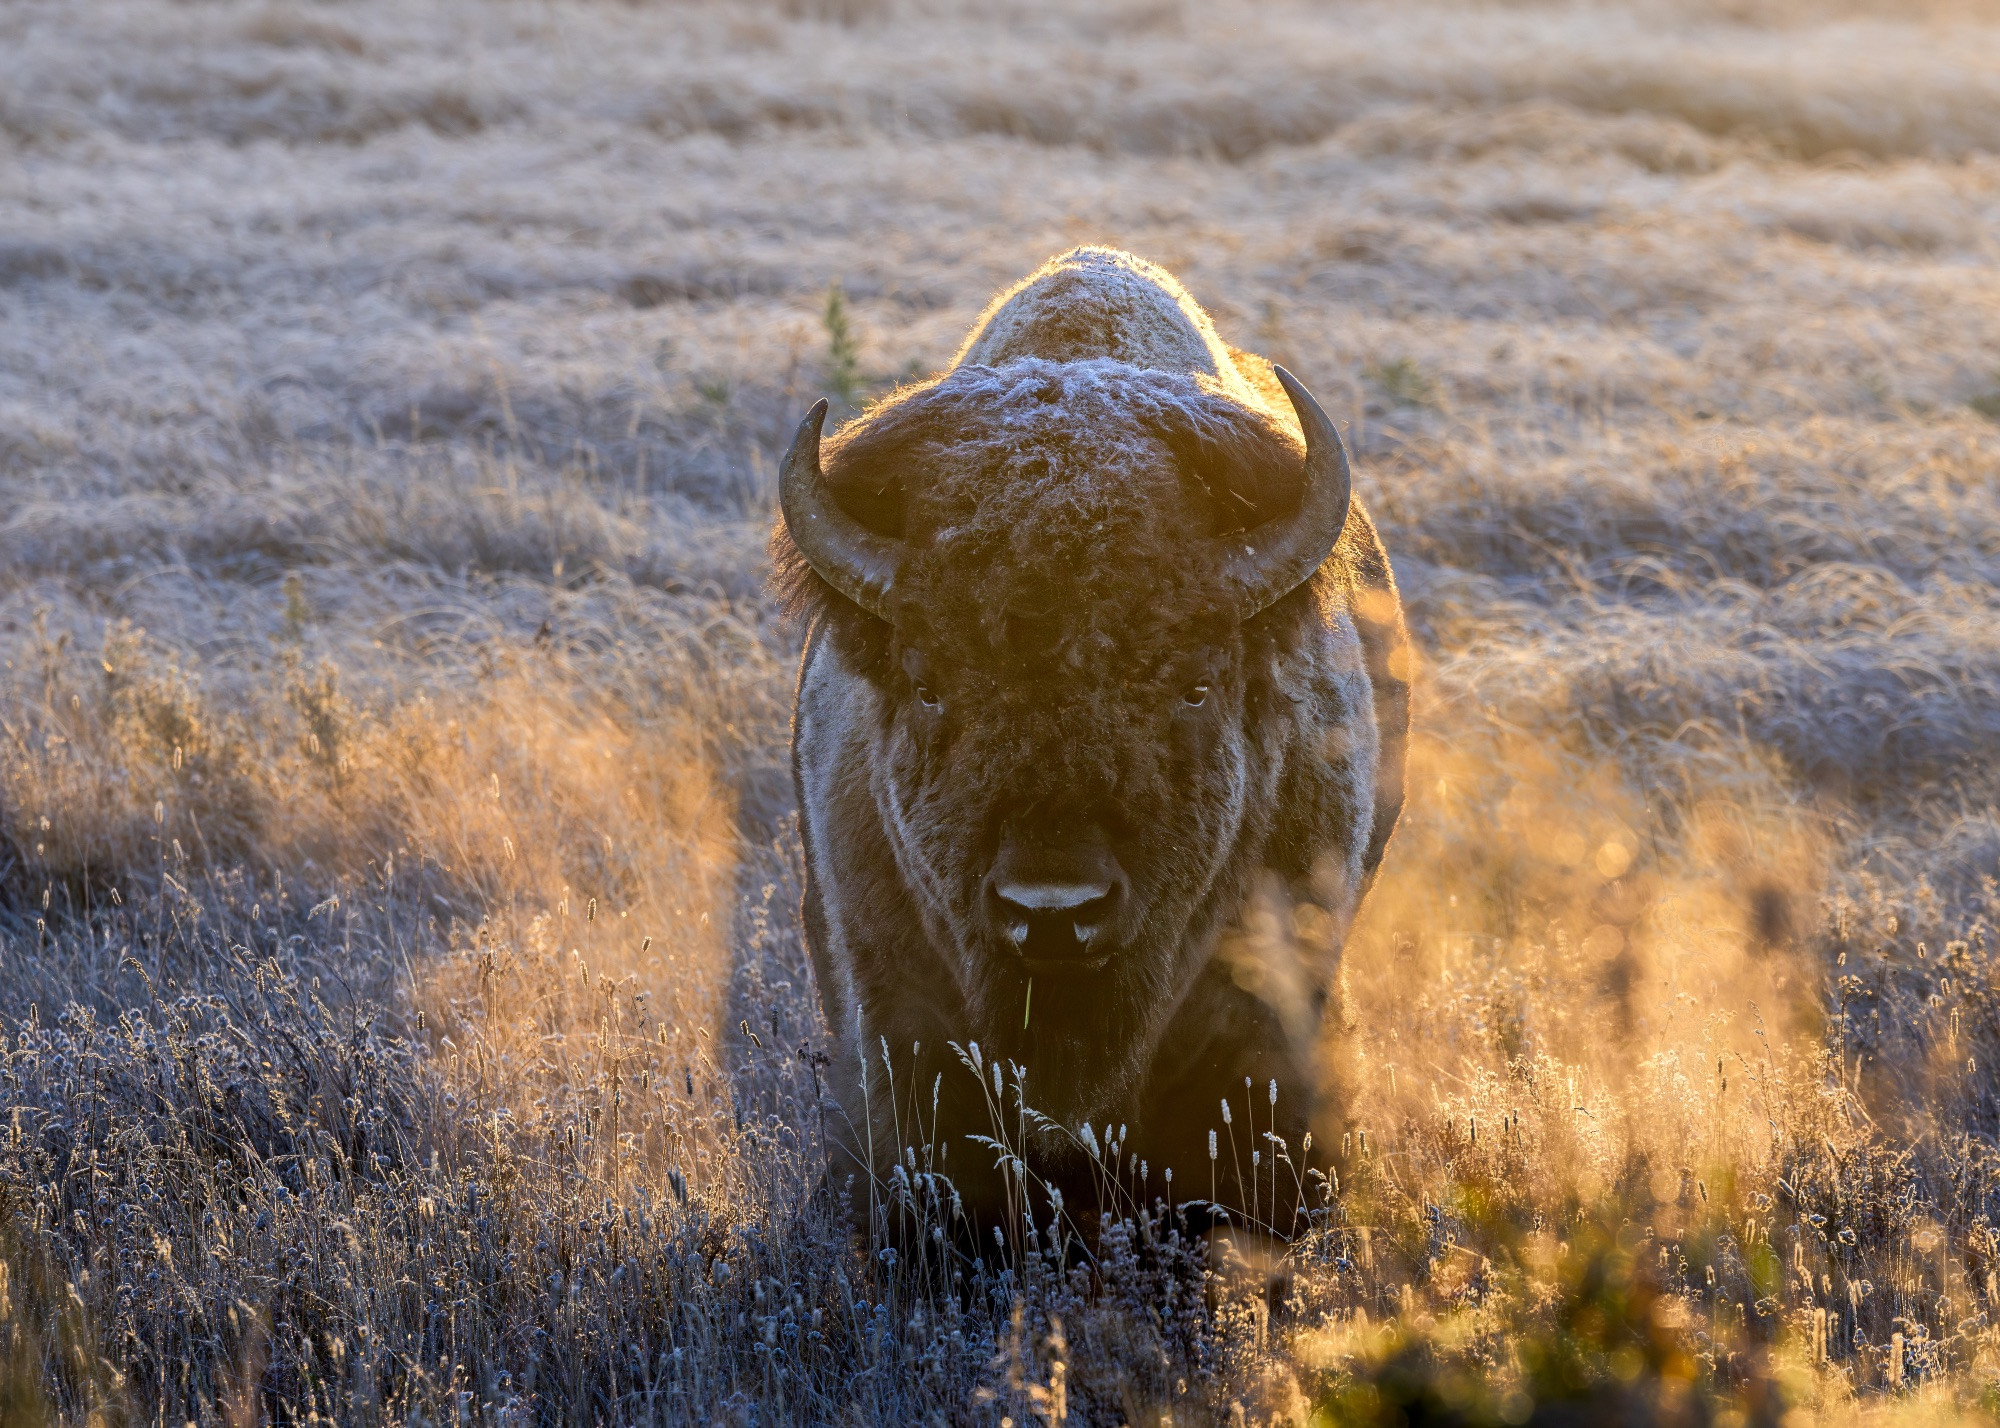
(1099, 738)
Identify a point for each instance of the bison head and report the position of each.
(1062, 583)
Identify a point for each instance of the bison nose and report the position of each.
(1076, 900)
(1055, 920)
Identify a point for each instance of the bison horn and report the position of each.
(1270, 561)
(854, 560)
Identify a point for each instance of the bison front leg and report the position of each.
(924, 1148)
(1234, 1092)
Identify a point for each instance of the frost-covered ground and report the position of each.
(389, 398)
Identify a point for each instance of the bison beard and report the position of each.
(1099, 738)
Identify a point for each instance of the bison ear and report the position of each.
(866, 469)
(1268, 561)
(1246, 474)
(871, 491)
(859, 562)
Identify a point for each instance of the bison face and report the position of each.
(1068, 783)
(1056, 573)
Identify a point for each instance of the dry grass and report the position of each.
(404, 1011)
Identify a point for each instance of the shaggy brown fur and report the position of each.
(1053, 620)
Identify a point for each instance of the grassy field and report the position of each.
(402, 1008)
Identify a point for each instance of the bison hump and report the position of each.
(1101, 302)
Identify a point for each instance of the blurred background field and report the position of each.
(402, 1013)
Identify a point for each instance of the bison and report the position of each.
(1099, 738)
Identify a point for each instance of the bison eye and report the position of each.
(1196, 696)
(926, 697)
